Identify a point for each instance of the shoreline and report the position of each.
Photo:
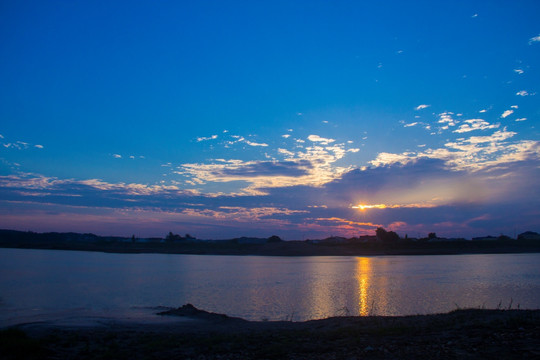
(290, 248)
(472, 333)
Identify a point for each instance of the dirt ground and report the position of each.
(460, 334)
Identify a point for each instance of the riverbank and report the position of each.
(290, 248)
(463, 334)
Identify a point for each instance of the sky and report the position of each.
(302, 119)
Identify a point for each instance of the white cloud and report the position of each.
(1, 136)
(523, 93)
(514, 106)
(421, 106)
(39, 146)
(519, 71)
(446, 119)
(474, 16)
(521, 119)
(199, 139)
(286, 136)
(411, 124)
(534, 39)
(353, 150)
(474, 153)
(117, 156)
(317, 138)
(507, 113)
(475, 124)
(483, 111)
(285, 152)
(251, 143)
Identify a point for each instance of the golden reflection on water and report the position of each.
(363, 277)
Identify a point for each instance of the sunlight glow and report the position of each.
(364, 207)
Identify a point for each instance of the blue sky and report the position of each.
(300, 119)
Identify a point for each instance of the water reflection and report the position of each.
(363, 277)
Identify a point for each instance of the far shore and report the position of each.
(470, 334)
(290, 248)
(272, 246)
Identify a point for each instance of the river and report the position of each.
(38, 285)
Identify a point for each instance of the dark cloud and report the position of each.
(269, 168)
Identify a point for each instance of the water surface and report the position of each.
(41, 284)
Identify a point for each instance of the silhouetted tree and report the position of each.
(173, 237)
(386, 236)
(274, 238)
(432, 235)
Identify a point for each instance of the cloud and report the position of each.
(286, 152)
(522, 93)
(534, 39)
(483, 111)
(473, 153)
(336, 220)
(411, 124)
(421, 106)
(521, 119)
(446, 119)
(475, 124)
(317, 138)
(392, 206)
(303, 165)
(19, 145)
(519, 71)
(286, 136)
(251, 143)
(117, 156)
(213, 137)
(507, 113)
(431, 190)
(267, 168)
